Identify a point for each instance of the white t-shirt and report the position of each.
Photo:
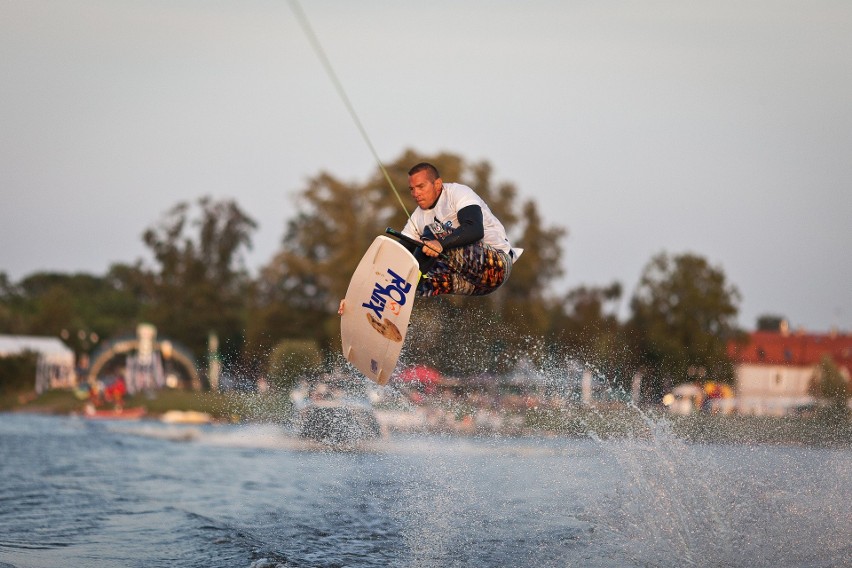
(455, 197)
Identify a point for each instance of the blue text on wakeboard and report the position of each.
(395, 292)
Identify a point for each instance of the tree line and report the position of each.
(682, 311)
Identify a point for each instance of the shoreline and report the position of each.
(827, 429)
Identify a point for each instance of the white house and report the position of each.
(774, 369)
(55, 362)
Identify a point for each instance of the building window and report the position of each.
(761, 353)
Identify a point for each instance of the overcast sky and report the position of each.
(722, 128)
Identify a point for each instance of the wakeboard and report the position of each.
(377, 307)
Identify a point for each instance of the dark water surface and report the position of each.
(78, 493)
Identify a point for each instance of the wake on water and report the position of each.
(646, 500)
(643, 497)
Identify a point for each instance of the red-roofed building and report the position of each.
(774, 369)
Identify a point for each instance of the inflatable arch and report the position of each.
(166, 349)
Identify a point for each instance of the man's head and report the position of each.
(425, 184)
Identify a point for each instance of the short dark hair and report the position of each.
(427, 167)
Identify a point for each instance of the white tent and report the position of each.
(55, 363)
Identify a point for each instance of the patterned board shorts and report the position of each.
(473, 270)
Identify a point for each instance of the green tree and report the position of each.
(299, 290)
(829, 383)
(200, 282)
(526, 308)
(585, 326)
(80, 308)
(292, 360)
(683, 312)
(17, 373)
(8, 297)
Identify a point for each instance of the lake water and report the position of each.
(79, 493)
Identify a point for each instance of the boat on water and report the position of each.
(117, 413)
(337, 423)
(333, 417)
(186, 417)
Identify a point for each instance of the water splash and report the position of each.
(663, 501)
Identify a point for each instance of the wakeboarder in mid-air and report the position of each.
(460, 246)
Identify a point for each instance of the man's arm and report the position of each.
(470, 228)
